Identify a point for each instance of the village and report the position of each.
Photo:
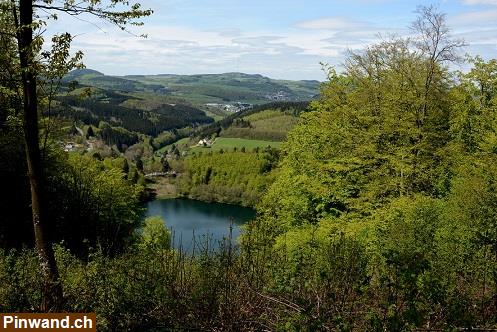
(232, 108)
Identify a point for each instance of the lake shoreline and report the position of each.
(167, 188)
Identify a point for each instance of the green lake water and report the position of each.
(189, 219)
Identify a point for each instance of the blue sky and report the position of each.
(278, 38)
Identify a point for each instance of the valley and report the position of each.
(167, 132)
(217, 94)
(238, 202)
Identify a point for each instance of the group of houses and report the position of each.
(233, 107)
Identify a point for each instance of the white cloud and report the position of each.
(480, 2)
(480, 37)
(291, 52)
(182, 50)
(484, 17)
(330, 23)
(294, 53)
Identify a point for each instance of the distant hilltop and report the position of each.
(87, 71)
(202, 89)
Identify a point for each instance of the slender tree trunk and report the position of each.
(52, 289)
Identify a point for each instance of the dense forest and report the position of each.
(235, 177)
(106, 106)
(378, 213)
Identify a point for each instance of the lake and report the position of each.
(186, 217)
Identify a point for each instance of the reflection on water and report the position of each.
(188, 217)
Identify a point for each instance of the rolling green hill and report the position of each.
(160, 105)
(231, 87)
(90, 77)
(257, 128)
(270, 122)
(204, 89)
(137, 113)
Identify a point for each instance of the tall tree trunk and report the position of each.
(52, 289)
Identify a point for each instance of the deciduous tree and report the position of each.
(26, 18)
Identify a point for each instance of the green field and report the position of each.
(228, 144)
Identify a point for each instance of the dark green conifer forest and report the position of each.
(378, 213)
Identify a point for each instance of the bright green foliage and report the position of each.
(400, 158)
(406, 246)
(473, 121)
(369, 140)
(468, 236)
(96, 205)
(19, 275)
(155, 235)
(231, 177)
(9, 73)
